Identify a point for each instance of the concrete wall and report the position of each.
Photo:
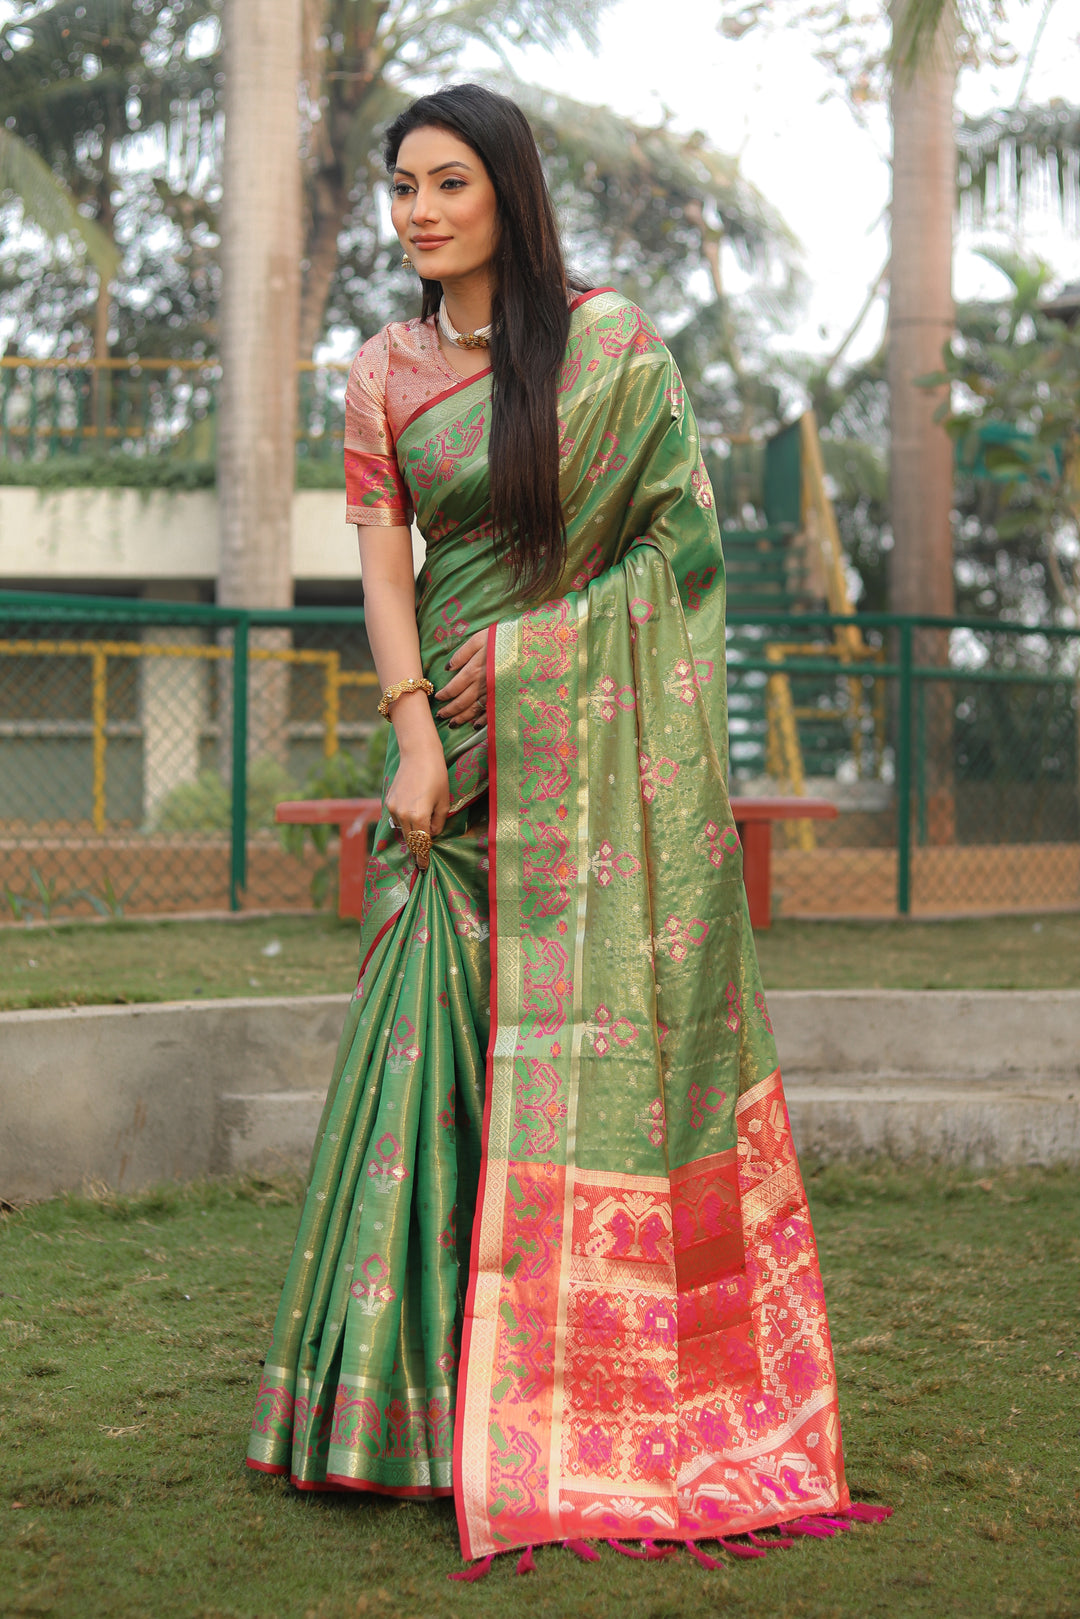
(133, 1095)
(104, 535)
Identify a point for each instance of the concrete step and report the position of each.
(131, 1095)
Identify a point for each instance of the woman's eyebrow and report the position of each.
(452, 163)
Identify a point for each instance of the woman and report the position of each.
(555, 1256)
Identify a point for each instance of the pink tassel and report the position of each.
(475, 1572)
(582, 1549)
(526, 1562)
(863, 1512)
(627, 1551)
(810, 1526)
(703, 1557)
(654, 1552)
(775, 1543)
(741, 1551)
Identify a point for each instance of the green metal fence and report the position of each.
(143, 746)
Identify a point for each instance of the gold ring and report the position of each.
(419, 846)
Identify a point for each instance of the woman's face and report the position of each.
(443, 205)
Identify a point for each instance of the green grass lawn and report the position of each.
(131, 1331)
(90, 963)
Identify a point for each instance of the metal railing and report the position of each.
(144, 744)
(63, 407)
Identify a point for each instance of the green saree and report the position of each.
(555, 1254)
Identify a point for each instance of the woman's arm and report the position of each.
(419, 795)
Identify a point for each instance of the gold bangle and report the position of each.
(402, 689)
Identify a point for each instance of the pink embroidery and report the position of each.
(699, 482)
(453, 625)
(610, 699)
(698, 586)
(593, 564)
(734, 1000)
(719, 842)
(439, 459)
(548, 636)
(403, 1048)
(604, 1029)
(606, 864)
(384, 1170)
(654, 774)
(537, 1108)
(607, 460)
(628, 329)
(549, 874)
(653, 1123)
(677, 937)
(547, 985)
(373, 1291)
(710, 1100)
(546, 748)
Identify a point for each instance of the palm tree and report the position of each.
(77, 81)
(47, 203)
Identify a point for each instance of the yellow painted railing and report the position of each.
(98, 652)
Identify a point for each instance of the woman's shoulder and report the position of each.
(374, 360)
(614, 323)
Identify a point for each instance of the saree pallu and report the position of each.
(555, 1253)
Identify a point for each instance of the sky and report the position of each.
(765, 98)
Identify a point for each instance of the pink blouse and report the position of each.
(396, 374)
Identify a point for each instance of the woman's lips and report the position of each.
(426, 243)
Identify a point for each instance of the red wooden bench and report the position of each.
(753, 818)
(352, 817)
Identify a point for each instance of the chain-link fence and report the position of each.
(119, 727)
(948, 747)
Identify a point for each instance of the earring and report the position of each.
(406, 262)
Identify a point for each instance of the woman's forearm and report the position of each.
(390, 619)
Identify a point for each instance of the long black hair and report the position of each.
(530, 324)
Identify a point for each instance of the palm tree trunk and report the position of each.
(260, 307)
(260, 303)
(920, 321)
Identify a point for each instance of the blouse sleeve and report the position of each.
(376, 495)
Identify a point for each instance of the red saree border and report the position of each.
(593, 292)
(437, 399)
(474, 1256)
(389, 923)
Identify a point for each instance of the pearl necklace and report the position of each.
(465, 340)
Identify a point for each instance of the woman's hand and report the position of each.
(464, 697)
(419, 795)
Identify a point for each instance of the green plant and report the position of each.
(46, 896)
(105, 900)
(340, 776)
(205, 804)
(202, 805)
(116, 470)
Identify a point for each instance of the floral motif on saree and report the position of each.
(555, 1253)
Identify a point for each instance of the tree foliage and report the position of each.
(47, 203)
(1015, 418)
(651, 209)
